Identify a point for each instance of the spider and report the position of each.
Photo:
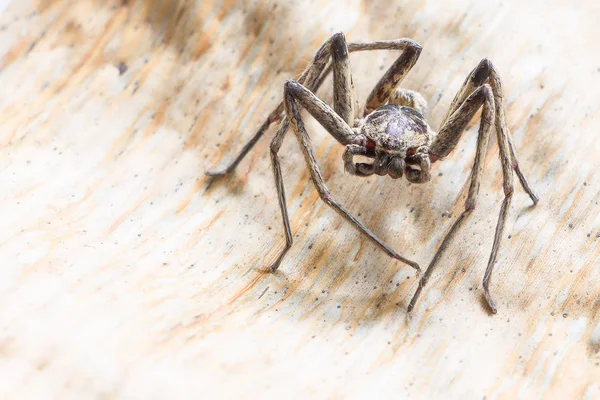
(393, 133)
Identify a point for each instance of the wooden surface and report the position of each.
(125, 274)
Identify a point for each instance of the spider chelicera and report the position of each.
(394, 133)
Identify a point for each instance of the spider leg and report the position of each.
(276, 143)
(313, 77)
(502, 130)
(344, 103)
(485, 71)
(409, 98)
(392, 78)
(358, 169)
(278, 176)
(446, 140)
(295, 93)
(343, 85)
(509, 163)
(476, 78)
(276, 115)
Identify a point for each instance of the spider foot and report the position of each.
(275, 265)
(408, 262)
(216, 173)
(413, 301)
(490, 301)
(415, 266)
(535, 199)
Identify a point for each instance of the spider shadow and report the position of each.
(174, 22)
(365, 306)
(366, 288)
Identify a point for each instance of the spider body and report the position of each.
(393, 133)
(398, 138)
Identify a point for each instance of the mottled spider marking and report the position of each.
(396, 129)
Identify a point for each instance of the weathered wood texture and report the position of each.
(125, 274)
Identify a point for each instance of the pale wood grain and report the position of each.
(125, 274)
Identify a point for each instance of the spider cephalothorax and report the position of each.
(398, 139)
(392, 133)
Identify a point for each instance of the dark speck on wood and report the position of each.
(122, 67)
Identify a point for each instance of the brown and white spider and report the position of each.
(393, 132)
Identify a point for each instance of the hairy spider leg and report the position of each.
(336, 125)
(315, 74)
(447, 140)
(313, 77)
(455, 126)
(312, 82)
(392, 78)
(295, 93)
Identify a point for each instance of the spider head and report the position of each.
(397, 138)
(413, 163)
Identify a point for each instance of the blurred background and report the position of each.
(126, 273)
